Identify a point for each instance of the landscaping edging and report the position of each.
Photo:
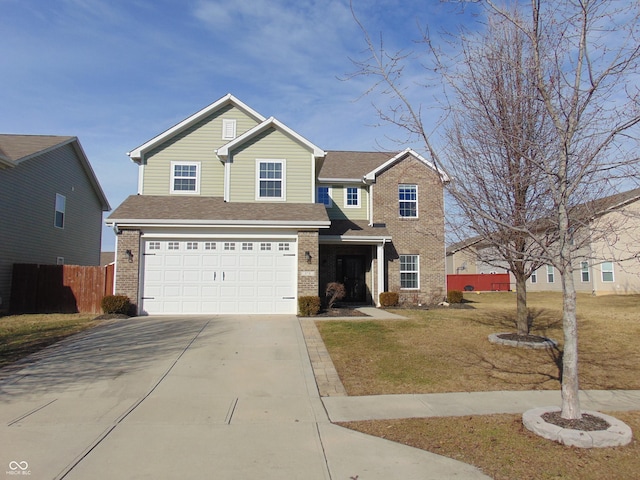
(618, 433)
(547, 343)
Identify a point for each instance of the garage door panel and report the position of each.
(215, 276)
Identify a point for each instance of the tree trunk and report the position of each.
(522, 313)
(570, 387)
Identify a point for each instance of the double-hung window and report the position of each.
(352, 197)
(550, 274)
(409, 271)
(607, 271)
(324, 196)
(185, 177)
(584, 272)
(61, 205)
(408, 200)
(270, 179)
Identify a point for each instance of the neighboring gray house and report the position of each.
(51, 205)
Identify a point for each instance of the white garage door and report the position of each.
(219, 276)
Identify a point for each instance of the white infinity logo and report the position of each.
(13, 465)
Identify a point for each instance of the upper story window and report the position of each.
(61, 205)
(185, 177)
(534, 277)
(228, 129)
(324, 196)
(607, 271)
(352, 197)
(408, 200)
(270, 179)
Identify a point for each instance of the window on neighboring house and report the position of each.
(228, 129)
(409, 271)
(584, 271)
(607, 271)
(408, 200)
(185, 177)
(61, 204)
(550, 274)
(352, 197)
(324, 196)
(534, 277)
(271, 179)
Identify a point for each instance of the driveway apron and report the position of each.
(189, 397)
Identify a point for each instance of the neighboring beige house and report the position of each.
(238, 213)
(51, 205)
(609, 263)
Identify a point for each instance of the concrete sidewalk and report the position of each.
(194, 397)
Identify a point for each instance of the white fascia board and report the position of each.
(131, 223)
(137, 153)
(371, 176)
(223, 152)
(340, 180)
(368, 240)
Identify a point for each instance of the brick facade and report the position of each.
(423, 236)
(128, 266)
(308, 270)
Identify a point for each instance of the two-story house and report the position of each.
(238, 213)
(51, 205)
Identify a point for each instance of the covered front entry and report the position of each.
(235, 275)
(351, 271)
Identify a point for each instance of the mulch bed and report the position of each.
(588, 423)
(341, 312)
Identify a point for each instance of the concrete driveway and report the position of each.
(192, 397)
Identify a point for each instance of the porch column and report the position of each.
(380, 269)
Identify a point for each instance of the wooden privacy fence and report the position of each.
(59, 288)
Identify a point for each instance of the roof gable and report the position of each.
(138, 153)
(15, 149)
(271, 122)
(371, 176)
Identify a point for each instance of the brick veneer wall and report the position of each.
(308, 272)
(422, 236)
(128, 272)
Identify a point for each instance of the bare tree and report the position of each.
(582, 59)
(498, 134)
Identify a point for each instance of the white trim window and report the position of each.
(270, 175)
(352, 197)
(534, 277)
(323, 196)
(408, 201)
(550, 274)
(185, 177)
(607, 272)
(61, 206)
(584, 272)
(409, 272)
(228, 128)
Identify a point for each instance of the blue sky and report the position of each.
(116, 73)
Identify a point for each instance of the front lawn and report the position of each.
(446, 350)
(22, 335)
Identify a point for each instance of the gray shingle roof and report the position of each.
(352, 165)
(16, 147)
(202, 210)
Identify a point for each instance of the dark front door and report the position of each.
(350, 271)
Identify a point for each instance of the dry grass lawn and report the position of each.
(446, 350)
(22, 335)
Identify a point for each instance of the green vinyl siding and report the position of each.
(339, 211)
(272, 145)
(196, 144)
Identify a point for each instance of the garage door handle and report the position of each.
(288, 298)
(214, 276)
(223, 276)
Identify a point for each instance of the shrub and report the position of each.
(308, 306)
(454, 296)
(389, 299)
(117, 304)
(335, 291)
